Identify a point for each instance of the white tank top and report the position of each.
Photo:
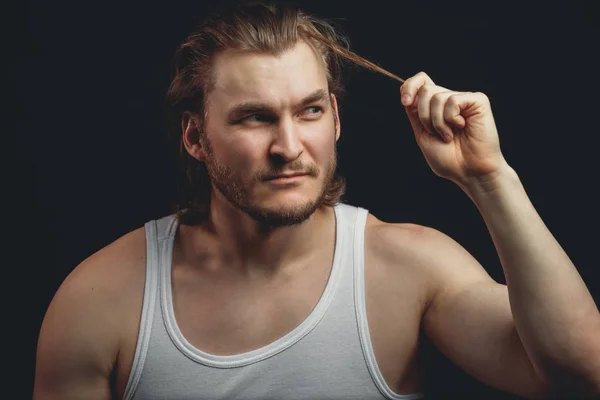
(328, 356)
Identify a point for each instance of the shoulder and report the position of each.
(94, 302)
(106, 276)
(95, 307)
(112, 277)
(118, 257)
(424, 251)
(109, 271)
(403, 242)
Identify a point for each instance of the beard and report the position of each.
(231, 185)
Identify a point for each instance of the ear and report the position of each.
(336, 116)
(191, 136)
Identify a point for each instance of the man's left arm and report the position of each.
(555, 317)
(554, 313)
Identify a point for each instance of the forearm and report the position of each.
(555, 315)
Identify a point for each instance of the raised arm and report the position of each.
(544, 322)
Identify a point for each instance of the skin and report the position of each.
(242, 150)
(535, 336)
(551, 309)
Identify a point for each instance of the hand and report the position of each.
(455, 130)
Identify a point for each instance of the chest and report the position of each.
(221, 317)
(224, 315)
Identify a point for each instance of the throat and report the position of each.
(256, 258)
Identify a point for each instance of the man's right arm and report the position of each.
(77, 345)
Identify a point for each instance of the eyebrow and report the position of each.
(251, 107)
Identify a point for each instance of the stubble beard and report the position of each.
(230, 184)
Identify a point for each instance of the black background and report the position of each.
(92, 162)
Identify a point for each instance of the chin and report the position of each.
(289, 206)
(284, 211)
(290, 200)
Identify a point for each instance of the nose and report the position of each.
(287, 143)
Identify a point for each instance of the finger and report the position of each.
(425, 95)
(437, 110)
(411, 86)
(469, 103)
(452, 111)
(463, 105)
(413, 116)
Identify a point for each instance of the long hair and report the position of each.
(257, 27)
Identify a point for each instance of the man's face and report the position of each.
(270, 116)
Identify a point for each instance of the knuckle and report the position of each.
(421, 73)
(438, 97)
(425, 89)
(453, 100)
(482, 96)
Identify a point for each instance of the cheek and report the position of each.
(244, 155)
(321, 141)
(238, 150)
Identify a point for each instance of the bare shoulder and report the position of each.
(425, 251)
(109, 276)
(405, 244)
(94, 307)
(111, 268)
(108, 281)
(392, 239)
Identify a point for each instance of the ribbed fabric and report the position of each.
(328, 356)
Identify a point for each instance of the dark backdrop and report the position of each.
(92, 162)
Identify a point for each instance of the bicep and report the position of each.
(74, 353)
(473, 326)
(469, 320)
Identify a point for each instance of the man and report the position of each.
(264, 285)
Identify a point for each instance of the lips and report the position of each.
(286, 176)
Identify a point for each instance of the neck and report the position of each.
(237, 242)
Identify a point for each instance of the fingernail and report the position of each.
(405, 99)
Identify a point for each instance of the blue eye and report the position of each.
(315, 110)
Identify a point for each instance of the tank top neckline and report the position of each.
(253, 356)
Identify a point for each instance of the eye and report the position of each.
(313, 111)
(257, 118)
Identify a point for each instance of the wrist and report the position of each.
(492, 183)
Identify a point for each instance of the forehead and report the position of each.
(278, 80)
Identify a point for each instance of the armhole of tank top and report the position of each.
(361, 311)
(148, 305)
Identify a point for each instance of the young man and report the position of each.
(263, 285)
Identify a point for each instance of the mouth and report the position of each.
(286, 178)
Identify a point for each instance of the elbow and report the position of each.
(577, 379)
(588, 392)
(570, 387)
(593, 391)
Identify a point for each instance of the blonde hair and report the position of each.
(258, 27)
